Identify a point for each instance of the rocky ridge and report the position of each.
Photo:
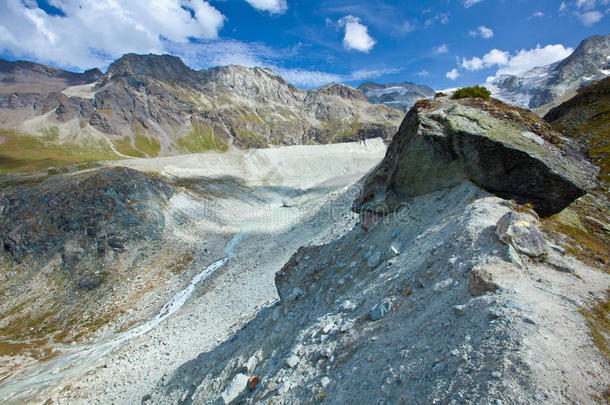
(453, 296)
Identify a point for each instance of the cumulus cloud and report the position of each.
(271, 6)
(443, 48)
(521, 61)
(525, 60)
(452, 74)
(94, 32)
(495, 57)
(356, 34)
(424, 73)
(483, 32)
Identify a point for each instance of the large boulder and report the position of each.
(505, 150)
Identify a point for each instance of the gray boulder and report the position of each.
(504, 150)
(519, 230)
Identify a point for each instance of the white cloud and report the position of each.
(563, 6)
(525, 60)
(483, 32)
(94, 32)
(586, 4)
(469, 3)
(424, 73)
(521, 61)
(537, 14)
(474, 63)
(272, 6)
(443, 48)
(453, 74)
(495, 57)
(590, 17)
(356, 35)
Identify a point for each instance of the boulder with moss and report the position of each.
(505, 150)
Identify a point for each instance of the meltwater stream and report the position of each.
(29, 384)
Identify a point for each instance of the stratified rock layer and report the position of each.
(505, 150)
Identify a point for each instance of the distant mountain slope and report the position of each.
(150, 105)
(28, 77)
(587, 116)
(541, 85)
(401, 96)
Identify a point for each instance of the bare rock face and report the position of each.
(504, 150)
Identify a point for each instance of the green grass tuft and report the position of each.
(476, 91)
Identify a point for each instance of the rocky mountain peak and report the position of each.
(588, 59)
(544, 84)
(159, 67)
(343, 91)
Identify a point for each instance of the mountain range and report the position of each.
(152, 105)
(401, 96)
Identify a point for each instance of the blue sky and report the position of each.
(443, 43)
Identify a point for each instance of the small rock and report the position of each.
(90, 283)
(253, 381)
(235, 387)
(296, 293)
(512, 305)
(326, 352)
(556, 248)
(380, 310)
(459, 310)
(395, 248)
(481, 281)
(442, 285)
(292, 361)
(529, 320)
(347, 326)
(348, 305)
(496, 374)
(558, 263)
(325, 381)
(512, 256)
(394, 234)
